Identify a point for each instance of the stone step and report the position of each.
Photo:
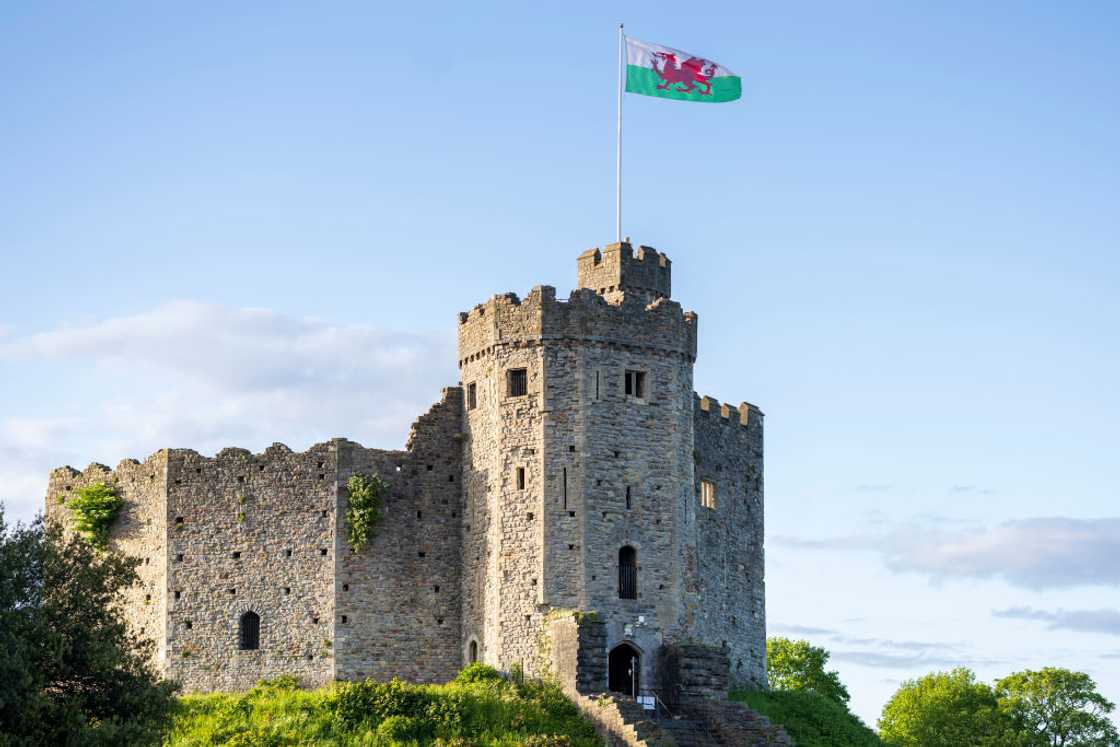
(688, 733)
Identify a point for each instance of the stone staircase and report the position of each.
(699, 723)
(688, 733)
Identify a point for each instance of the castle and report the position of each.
(571, 507)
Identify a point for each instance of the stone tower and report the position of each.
(584, 453)
(571, 506)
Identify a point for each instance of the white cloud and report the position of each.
(1037, 553)
(1106, 621)
(206, 376)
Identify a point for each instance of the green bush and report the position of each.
(94, 508)
(479, 708)
(812, 720)
(363, 512)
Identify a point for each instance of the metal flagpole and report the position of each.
(618, 141)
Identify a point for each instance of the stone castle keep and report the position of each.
(573, 471)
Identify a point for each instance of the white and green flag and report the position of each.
(654, 70)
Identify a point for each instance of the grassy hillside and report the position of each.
(478, 708)
(811, 720)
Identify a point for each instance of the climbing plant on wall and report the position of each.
(363, 514)
(94, 508)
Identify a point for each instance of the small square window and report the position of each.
(178, 594)
(188, 624)
(517, 380)
(346, 587)
(707, 494)
(636, 384)
(236, 555)
(344, 619)
(287, 590)
(322, 551)
(179, 557)
(287, 553)
(520, 478)
(472, 396)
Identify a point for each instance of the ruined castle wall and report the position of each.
(725, 591)
(401, 595)
(251, 533)
(139, 531)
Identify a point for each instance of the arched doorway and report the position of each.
(624, 669)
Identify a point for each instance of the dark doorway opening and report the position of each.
(250, 632)
(472, 652)
(624, 669)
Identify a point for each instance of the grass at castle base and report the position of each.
(811, 720)
(477, 708)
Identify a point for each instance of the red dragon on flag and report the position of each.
(683, 76)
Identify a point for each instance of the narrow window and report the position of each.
(520, 478)
(636, 384)
(472, 652)
(627, 497)
(707, 494)
(627, 573)
(250, 636)
(472, 396)
(596, 385)
(518, 382)
(565, 488)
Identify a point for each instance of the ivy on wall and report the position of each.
(94, 508)
(363, 514)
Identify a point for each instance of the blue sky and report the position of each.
(237, 226)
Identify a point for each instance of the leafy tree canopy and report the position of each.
(1057, 708)
(797, 665)
(945, 709)
(71, 672)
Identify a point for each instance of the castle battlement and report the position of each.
(628, 314)
(618, 267)
(741, 415)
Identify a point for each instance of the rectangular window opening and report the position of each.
(707, 494)
(636, 384)
(472, 396)
(517, 382)
(565, 488)
(520, 478)
(628, 497)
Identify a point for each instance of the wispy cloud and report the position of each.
(207, 376)
(1037, 553)
(886, 653)
(1106, 621)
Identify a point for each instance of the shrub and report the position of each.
(94, 508)
(811, 719)
(363, 512)
(476, 672)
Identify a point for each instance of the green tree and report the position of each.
(1057, 708)
(945, 709)
(71, 672)
(796, 665)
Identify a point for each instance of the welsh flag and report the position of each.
(654, 70)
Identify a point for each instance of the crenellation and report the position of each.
(573, 471)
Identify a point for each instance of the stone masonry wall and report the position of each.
(139, 531)
(725, 601)
(251, 532)
(398, 601)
